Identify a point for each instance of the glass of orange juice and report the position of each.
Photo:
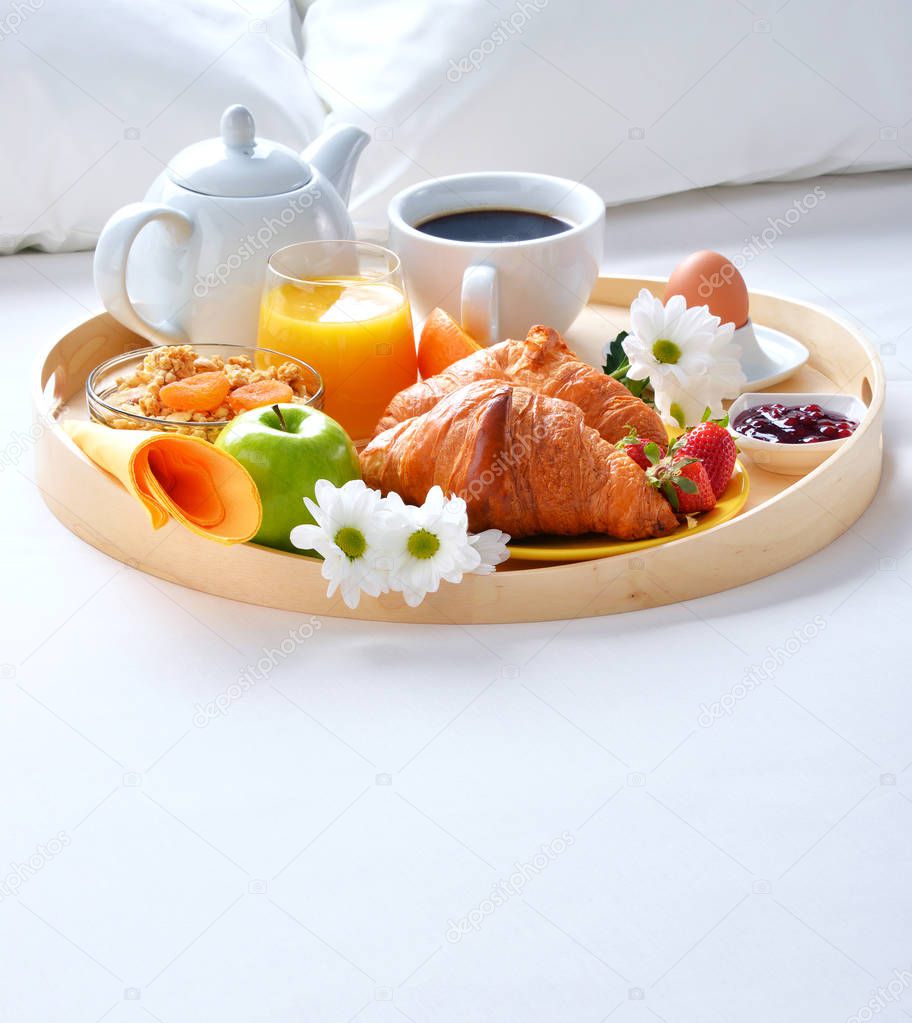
(341, 306)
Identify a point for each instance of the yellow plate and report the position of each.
(597, 545)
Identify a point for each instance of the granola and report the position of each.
(139, 394)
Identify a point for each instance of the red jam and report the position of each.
(793, 424)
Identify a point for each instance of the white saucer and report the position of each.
(768, 356)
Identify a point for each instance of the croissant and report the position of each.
(544, 364)
(524, 463)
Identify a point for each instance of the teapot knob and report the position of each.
(237, 128)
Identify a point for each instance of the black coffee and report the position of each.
(491, 225)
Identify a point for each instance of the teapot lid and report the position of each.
(237, 164)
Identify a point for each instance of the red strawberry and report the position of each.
(636, 448)
(713, 445)
(704, 498)
(685, 483)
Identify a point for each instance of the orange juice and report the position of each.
(357, 333)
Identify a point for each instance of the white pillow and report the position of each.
(637, 100)
(100, 94)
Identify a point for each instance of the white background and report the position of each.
(302, 856)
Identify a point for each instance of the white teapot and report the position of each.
(188, 263)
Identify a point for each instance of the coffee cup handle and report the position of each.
(479, 310)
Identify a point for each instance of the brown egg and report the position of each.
(708, 278)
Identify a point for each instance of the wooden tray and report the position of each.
(784, 520)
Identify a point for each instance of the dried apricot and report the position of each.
(199, 393)
(260, 392)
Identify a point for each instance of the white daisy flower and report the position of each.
(429, 544)
(686, 353)
(351, 535)
(682, 405)
(492, 547)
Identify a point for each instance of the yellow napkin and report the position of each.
(172, 474)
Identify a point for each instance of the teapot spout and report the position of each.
(335, 154)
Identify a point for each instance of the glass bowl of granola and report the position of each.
(196, 389)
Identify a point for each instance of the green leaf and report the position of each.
(687, 485)
(636, 387)
(616, 356)
(671, 495)
(652, 451)
(721, 421)
(617, 365)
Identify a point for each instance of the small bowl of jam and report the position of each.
(792, 434)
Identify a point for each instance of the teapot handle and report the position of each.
(110, 267)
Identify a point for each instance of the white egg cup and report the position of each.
(768, 356)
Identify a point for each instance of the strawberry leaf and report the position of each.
(630, 438)
(671, 495)
(653, 452)
(687, 485)
(721, 421)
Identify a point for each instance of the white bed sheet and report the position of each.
(327, 848)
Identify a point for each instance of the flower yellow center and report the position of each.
(422, 544)
(666, 351)
(351, 542)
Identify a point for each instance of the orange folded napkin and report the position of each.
(172, 474)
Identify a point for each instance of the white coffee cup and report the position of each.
(499, 289)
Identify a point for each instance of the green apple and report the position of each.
(287, 449)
